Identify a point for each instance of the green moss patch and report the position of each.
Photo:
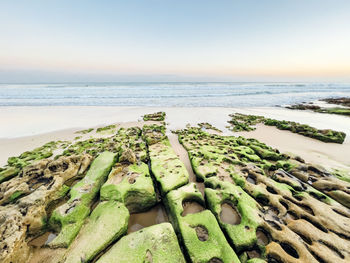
(158, 116)
(107, 222)
(70, 216)
(166, 166)
(132, 185)
(200, 233)
(157, 244)
(241, 122)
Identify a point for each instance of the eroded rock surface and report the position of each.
(287, 214)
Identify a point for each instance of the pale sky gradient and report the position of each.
(174, 40)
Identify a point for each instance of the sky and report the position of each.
(174, 40)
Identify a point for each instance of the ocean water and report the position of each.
(185, 94)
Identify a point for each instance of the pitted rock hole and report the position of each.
(271, 190)
(149, 258)
(155, 215)
(251, 179)
(262, 237)
(290, 250)
(191, 207)
(202, 233)
(229, 214)
(273, 259)
(132, 178)
(253, 254)
(215, 260)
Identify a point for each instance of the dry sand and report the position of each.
(25, 128)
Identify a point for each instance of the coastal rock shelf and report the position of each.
(344, 108)
(82, 201)
(266, 212)
(166, 166)
(242, 122)
(158, 116)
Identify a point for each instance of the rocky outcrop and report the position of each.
(241, 122)
(268, 207)
(130, 184)
(158, 116)
(69, 217)
(199, 231)
(32, 192)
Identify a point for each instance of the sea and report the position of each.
(169, 94)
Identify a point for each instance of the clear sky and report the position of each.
(174, 40)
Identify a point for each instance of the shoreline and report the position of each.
(74, 118)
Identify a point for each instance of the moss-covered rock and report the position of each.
(85, 131)
(157, 244)
(200, 233)
(241, 122)
(132, 185)
(241, 231)
(70, 216)
(158, 116)
(345, 110)
(107, 222)
(166, 166)
(8, 173)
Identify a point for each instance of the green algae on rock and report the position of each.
(132, 185)
(42, 185)
(107, 129)
(29, 157)
(345, 110)
(158, 116)
(8, 173)
(70, 216)
(240, 230)
(208, 126)
(242, 122)
(107, 222)
(166, 166)
(157, 244)
(85, 131)
(200, 233)
(283, 208)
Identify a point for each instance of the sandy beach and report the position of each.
(44, 124)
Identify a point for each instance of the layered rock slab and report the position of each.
(130, 184)
(69, 217)
(107, 222)
(166, 166)
(200, 233)
(157, 244)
